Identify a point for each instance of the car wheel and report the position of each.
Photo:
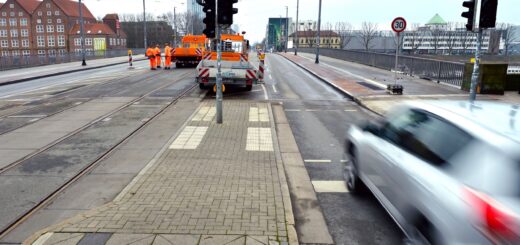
(354, 184)
(424, 233)
(202, 86)
(249, 87)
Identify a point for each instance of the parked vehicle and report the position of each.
(235, 66)
(448, 172)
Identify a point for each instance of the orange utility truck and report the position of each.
(191, 51)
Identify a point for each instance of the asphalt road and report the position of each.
(319, 117)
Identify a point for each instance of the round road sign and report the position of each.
(399, 24)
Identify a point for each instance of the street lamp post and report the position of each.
(174, 26)
(318, 36)
(296, 42)
(144, 22)
(286, 28)
(83, 61)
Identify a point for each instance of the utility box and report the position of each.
(492, 78)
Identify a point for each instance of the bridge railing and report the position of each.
(23, 61)
(441, 71)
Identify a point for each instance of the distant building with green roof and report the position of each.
(436, 20)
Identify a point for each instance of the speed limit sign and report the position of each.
(399, 24)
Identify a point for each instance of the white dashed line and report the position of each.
(106, 119)
(351, 110)
(259, 139)
(329, 186)
(317, 161)
(274, 89)
(344, 161)
(189, 138)
(265, 92)
(292, 110)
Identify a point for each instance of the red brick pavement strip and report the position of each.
(349, 86)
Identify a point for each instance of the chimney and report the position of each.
(112, 20)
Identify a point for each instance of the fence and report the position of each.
(13, 62)
(440, 71)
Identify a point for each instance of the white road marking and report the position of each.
(259, 139)
(270, 77)
(43, 238)
(292, 110)
(350, 110)
(274, 89)
(106, 119)
(78, 103)
(344, 160)
(311, 110)
(189, 138)
(265, 92)
(329, 186)
(258, 114)
(317, 161)
(27, 116)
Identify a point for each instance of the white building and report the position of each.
(438, 36)
(195, 8)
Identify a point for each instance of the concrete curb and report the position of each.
(292, 236)
(62, 73)
(356, 99)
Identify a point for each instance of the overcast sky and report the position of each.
(253, 14)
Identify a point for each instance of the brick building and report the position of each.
(50, 27)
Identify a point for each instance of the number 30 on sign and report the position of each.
(399, 24)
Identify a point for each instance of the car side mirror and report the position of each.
(371, 127)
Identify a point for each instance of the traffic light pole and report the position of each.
(476, 68)
(219, 67)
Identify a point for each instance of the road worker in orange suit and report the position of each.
(158, 56)
(167, 56)
(150, 54)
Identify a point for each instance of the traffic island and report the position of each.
(211, 184)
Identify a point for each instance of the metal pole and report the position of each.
(476, 69)
(318, 36)
(83, 62)
(174, 27)
(396, 58)
(144, 22)
(286, 27)
(219, 70)
(297, 42)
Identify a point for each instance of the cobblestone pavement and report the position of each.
(214, 184)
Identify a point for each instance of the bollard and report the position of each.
(260, 73)
(130, 58)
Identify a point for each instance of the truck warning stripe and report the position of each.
(250, 74)
(204, 73)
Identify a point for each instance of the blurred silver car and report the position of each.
(448, 172)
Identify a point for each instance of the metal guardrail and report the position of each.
(23, 61)
(440, 71)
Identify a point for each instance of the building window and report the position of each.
(3, 22)
(26, 52)
(25, 43)
(23, 22)
(24, 32)
(49, 13)
(16, 52)
(12, 22)
(40, 40)
(88, 41)
(14, 43)
(52, 52)
(4, 43)
(48, 5)
(5, 53)
(12, 14)
(41, 52)
(39, 21)
(50, 28)
(77, 41)
(4, 14)
(118, 41)
(39, 28)
(14, 33)
(49, 21)
(61, 41)
(11, 5)
(51, 42)
(58, 21)
(57, 13)
(60, 28)
(40, 13)
(3, 33)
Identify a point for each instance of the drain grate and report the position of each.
(370, 86)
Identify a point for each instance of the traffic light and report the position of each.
(226, 11)
(470, 14)
(488, 13)
(209, 20)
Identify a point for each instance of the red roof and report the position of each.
(111, 17)
(93, 29)
(29, 5)
(71, 8)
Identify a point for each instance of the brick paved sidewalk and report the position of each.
(213, 184)
(377, 100)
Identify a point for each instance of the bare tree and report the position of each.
(451, 37)
(509, 36)
(344, 30)
(368, 34)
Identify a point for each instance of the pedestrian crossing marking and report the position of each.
(258, 114)
(328, 186)
(259, 139)
(189, 138)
